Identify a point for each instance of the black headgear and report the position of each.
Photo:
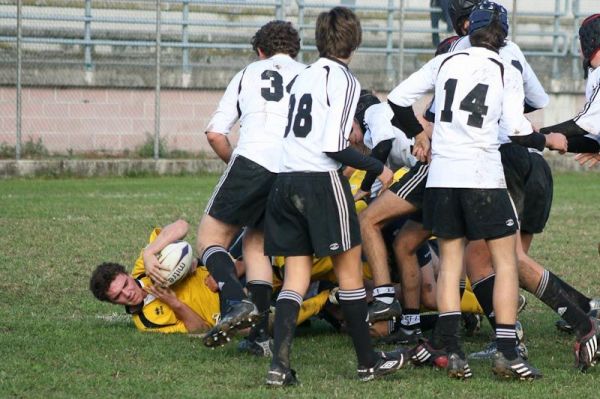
(365, 100)
(485, 13)
(460, 10)
(589, 37)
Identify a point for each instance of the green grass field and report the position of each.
(56, 340)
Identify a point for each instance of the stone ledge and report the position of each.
(169, 167)
(107, 167)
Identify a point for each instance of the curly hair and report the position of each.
(102, 277)
(277, 37)
(337, 33)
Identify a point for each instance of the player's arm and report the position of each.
(192, 321)
(514, 123)
(170, 233)
(404, 96)
(224, 118)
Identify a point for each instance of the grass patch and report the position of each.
(58, 341)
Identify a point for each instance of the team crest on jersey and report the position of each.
(334, 247)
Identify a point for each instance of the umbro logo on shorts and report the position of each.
(335, 246)
(510, 222)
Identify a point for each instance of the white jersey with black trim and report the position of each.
(476, 94)
(323, 100)
(589, 117)
(378, 120)
(258, 96)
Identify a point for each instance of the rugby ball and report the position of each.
(176, 258)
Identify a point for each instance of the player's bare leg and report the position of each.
(407, 242)
(386, 207)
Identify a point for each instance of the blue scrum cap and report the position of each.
(486, 12)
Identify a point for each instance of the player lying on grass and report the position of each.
(191, 305)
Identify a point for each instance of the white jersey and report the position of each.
(476, 94)
(378, 120)
(589, 118)
(535, 95)
(323, 100)
(258, 96)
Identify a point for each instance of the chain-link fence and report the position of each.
(140, 78)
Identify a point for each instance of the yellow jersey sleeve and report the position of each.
(138, 267)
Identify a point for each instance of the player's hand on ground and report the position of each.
(422, 147)
(386, 177)
(557, 141)
(153, 267)
(360, 194)
(590, 159)
(165, 294)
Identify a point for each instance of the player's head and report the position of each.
(488, 25)
(459, 11)
(589, 38)
(111, 283)
(277, 37)
(337, 33)
(366, 99)
(445, 45)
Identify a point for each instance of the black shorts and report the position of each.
(515, 160)
(240, 197)
(469, 212)
(538, 195)
(411, 187)
(310, 213)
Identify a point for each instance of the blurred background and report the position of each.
(91, 79)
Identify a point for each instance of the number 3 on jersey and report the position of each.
(474, 102)
(302, 122)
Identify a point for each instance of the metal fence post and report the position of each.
(389, 65)
(555, 71)
(185, 36)
(401, 44)
(157, 91)
(576, 61)
(88, 35)
(19, 65)
(280, 10)
(301, 27)
(514, 21)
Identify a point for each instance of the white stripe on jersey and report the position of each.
(588, 104)
(349, 98)
(220, 183)
(342, 206)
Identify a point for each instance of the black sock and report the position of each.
(576, 296)
(222, 269)
(506, 339)
(462, 287)
(260, 294)
(286, 315)
(384, 293)
(428, 321)
(354, 308)
(411, 319)
(447, 334)
(552, 294)
(484, 292)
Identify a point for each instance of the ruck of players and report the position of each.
(405, 231)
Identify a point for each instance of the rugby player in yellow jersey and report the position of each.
(190, 306)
